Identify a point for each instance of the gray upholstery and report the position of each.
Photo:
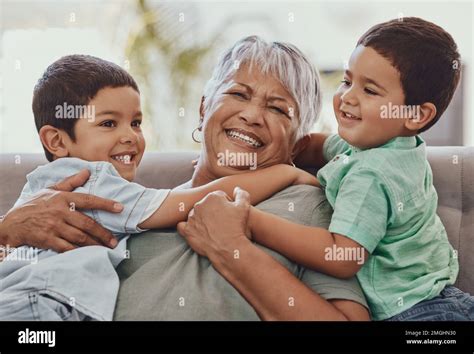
(453, 170)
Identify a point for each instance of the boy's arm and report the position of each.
(313, 156)
(305, 245)
(260, 184)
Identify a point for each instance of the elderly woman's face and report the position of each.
(254, 116)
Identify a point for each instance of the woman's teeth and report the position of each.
(245, 138)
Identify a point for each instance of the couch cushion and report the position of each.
(453, 177)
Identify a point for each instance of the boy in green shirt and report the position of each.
(400, 79)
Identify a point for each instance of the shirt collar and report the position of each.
(399, 142)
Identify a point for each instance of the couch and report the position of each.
(453, 173)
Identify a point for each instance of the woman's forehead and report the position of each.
(254, 79)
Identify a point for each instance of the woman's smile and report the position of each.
(244, 138)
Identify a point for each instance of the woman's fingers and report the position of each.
(59, 245)
(88, 226)
(89, 201)
(77, 237)
(53, 241)
(181, 227)
(39, 222)
(72, 182)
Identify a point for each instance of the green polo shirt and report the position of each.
(384, 199)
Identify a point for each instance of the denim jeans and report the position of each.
(451, 304)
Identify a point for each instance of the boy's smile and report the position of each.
(114, 135)
(370, 83)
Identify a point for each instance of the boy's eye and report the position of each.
(346, 82)
(108, 124)
(136, 123)
(370, 92)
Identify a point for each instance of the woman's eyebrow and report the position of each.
(278, 98)
(245, 85)
(271, 98)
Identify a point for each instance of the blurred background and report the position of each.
(171, 48)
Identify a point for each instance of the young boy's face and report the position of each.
(114, 135)
(370, 83)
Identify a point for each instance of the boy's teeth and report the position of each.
(123, 158)
(350, 116)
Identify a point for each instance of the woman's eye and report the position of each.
(108, 124)
(238, 94)
(370, 92)
(136, 123)
(278, 110)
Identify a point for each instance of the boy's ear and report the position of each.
(424, 114)
(54, 140)
(300, 145)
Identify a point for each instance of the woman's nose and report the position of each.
(252, 114)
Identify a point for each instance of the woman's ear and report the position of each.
(201, 110)
(54, 140)
(423, 115)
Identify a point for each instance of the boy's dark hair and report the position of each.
(73, 80)
(426, 57)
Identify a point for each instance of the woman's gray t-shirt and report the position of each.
(164, 279)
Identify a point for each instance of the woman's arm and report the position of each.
(274, 292)
(268, 286)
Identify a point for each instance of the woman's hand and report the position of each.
(50, 220)
(217, 224)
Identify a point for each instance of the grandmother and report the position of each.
(262, 99)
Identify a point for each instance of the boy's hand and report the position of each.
(304, 177)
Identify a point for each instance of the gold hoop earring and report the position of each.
(194, 131)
